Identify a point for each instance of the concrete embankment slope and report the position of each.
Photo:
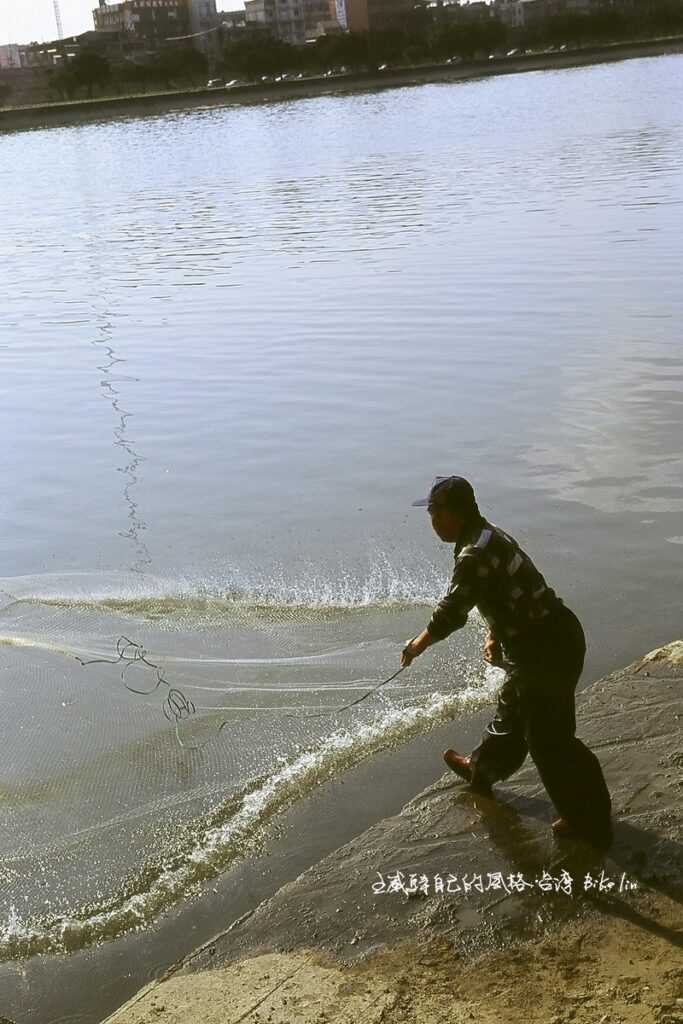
(594, 940)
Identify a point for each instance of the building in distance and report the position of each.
(294, 21)
(10, 56)
(283, 19)
(156, 22)
(233, 21)
(376, 15)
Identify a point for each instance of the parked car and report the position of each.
(454, 60)
(512, 53)
(233, 83)
(383, 67)
(214, 83)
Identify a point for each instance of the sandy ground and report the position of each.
(585, 974)
(327, 950)
(594, 972)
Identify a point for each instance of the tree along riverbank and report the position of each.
(57, 114)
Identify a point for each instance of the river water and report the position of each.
(236, 344)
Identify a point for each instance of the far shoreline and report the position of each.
(83, 111)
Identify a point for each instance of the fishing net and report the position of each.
(149, 734)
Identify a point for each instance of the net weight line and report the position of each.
(176, 706)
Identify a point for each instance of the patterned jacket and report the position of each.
(492, 572)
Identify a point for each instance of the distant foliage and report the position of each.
(177, 68)
(173, 68)
(644, 20)
(255, 52)
(87, 70)
(426, 37)
(90, 72)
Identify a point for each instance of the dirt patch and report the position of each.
(598, 972)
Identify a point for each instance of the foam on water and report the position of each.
(384, 584)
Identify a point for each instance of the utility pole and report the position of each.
(58, 19)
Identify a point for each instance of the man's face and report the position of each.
(445, 523)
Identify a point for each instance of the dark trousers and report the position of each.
(536, 715)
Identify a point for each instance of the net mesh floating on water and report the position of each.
(106, 819)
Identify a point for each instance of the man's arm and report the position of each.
(415, 647)
(450, 613)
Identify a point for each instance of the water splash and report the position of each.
(384, 584)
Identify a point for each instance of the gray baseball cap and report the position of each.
(453, 491)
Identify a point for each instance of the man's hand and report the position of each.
(492, 651)
(409, 652)
(415, 647)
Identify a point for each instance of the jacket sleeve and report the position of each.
(452, 610)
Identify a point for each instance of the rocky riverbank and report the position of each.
(464, 908)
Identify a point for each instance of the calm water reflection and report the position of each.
(310, 307)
